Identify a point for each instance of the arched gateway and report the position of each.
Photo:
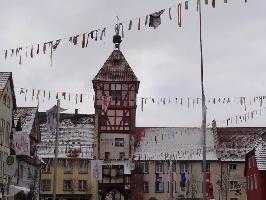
(116, 87)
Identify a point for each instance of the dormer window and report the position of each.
(4, 99)
(8, 102)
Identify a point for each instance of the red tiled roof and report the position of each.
(116, 68)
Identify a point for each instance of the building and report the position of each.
(27, 133)
(232, 144)
(255, 170)
(171, 161)
(7, 105)
(115, 87)
(75, 152)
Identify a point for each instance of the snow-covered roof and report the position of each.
(178, 143)
(116, 68)
(4, 76)
(26, 115)
(76, 133)
(235, 142)
(260, 154)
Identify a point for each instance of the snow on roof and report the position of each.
(26, 116)
(179, 143)
(260, 153)
(4, 76)
(116, 68)
(235, 142)
(76, 133)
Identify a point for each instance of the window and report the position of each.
(173, 167)
(82, 185)
(21, 172)
(119, 142)
(249, 163)
(144, 166)
(68, 166)
(183, 167)
(233, 198)
(159, 185)
(251, 182)
(122, 155)
(83, 166)
(158, 167)
(233, 185)
(208, 167)
(47, 168)
(7, 133)
(255, 182)
(248, 183)
(116, 95)
(107, 155)
(126, 120)
(232, 168)
(253, 161)
(46, 185)
(8, 102)
(67, 185)
(146, 187)
(4, 99)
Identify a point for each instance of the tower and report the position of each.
(116, 87)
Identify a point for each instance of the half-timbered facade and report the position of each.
(116, 87)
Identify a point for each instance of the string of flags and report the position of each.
(189, 102)
(84, 39)
(243, 118)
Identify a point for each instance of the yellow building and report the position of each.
(74, 179)
(75, 150)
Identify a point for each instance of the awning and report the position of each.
(14, 189)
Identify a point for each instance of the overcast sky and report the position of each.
(166, 60)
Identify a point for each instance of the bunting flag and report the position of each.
(105, 102)
(51, 120)
(153, 18)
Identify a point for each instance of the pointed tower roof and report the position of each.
(116, 68)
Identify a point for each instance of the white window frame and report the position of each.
(183, 167)
(65, 186)
(144, 166)
(68, 167)
(158, 167)
(145, 187)
(233, 186)
(83, 165)
(83, 184)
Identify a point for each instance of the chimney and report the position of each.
(76, 111)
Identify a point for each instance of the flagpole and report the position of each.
(56, 150)
(203, 125)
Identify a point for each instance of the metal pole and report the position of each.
(203, 125)
(56, 150)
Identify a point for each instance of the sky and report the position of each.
(166, 60)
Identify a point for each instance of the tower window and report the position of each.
(107, 155)
(119, 142)
(116, 95)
